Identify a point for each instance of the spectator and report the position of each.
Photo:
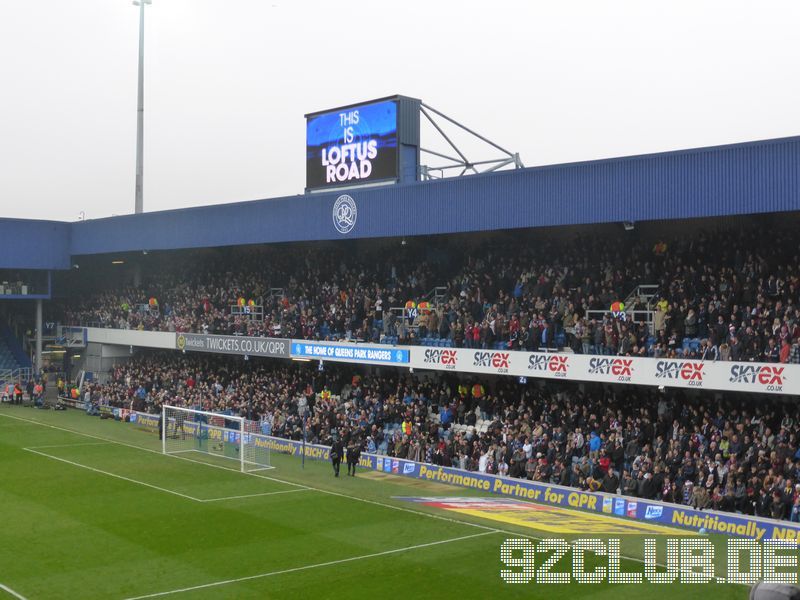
(538, 295)
(734, 453)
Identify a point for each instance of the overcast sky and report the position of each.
(227, 83)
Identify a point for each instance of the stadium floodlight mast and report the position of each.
(139, 202)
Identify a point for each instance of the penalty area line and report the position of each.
(253, 473)
(68, 445)
(122, 477)
(314, 566)
(8, 590)
(104, 440)
(292, 491)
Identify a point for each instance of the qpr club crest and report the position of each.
(345, 214)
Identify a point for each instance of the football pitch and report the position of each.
(92, 509)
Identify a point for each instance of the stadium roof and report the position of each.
(753, 177)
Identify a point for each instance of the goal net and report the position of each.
(185, 430)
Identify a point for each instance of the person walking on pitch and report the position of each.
(336, 455)
(353, 454)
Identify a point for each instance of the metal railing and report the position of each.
(14, 376)
(633, 316)
(148, 309)
(72, 336)
(254, 313)
(437, 295)
(402, 315)
(644, 293)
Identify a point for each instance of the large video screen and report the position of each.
(352, 145)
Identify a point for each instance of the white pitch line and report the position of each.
(255, 495)
(34, 449)
(143, 449)
(67, 445)
(314, 566)
(128, 479)
(252, 472)
(298, 485)
(323, 491)
(88, 435)
(7, 589)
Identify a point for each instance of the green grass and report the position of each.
(90, 528)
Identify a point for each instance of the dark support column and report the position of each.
(38, 362)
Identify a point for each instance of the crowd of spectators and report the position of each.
(320, 293)
(731, 294)
(739, 454)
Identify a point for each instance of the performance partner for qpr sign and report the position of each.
(352, 145)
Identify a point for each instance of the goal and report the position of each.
(185, 430)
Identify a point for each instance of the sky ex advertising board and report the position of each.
(761, 378)
(350, 146)
(495, 362)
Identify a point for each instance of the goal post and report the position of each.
(187, 430)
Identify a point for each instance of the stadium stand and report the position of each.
(727, 294)
(741, 453)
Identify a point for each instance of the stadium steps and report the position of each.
(12, 356)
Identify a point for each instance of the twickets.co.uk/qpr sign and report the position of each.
(232, 344)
